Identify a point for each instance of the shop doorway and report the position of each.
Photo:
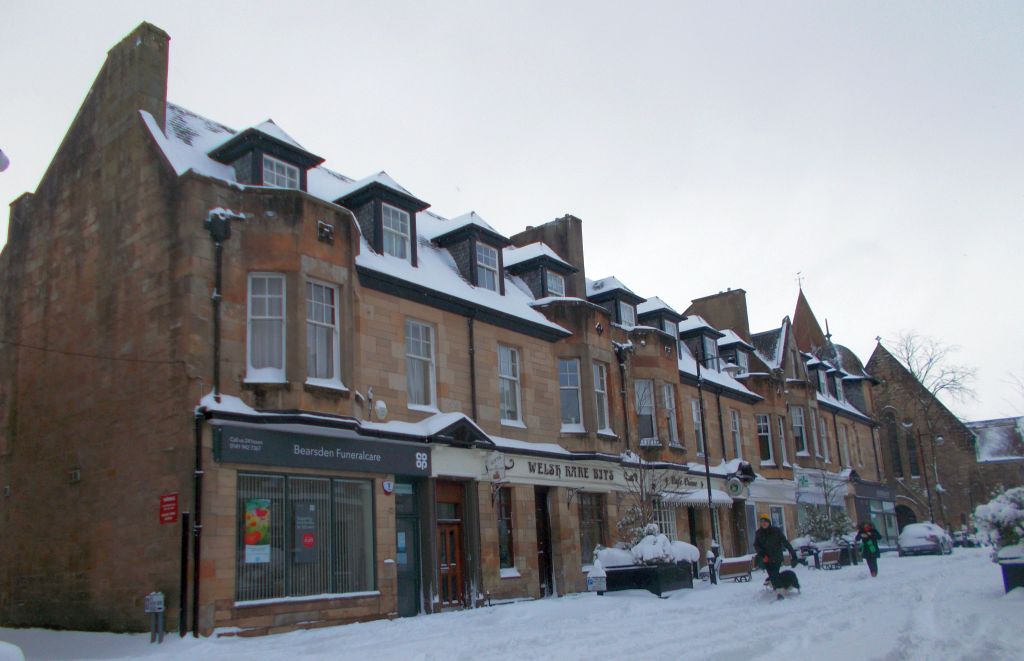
(450, 569)
(544, 563)
(407, 549)
(904, 516)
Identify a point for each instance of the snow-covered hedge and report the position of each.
(653, 548)
(1003, 517)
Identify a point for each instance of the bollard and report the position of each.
(712, 575)
(154, 605)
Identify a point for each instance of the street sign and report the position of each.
(169, 507)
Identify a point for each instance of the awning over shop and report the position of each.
(696, 498)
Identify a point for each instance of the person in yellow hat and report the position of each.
(770, 543)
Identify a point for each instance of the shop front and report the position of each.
(310, 523)
(876, 503)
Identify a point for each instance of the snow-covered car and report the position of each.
(965, 539)
(924, 539)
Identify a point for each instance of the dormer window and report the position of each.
(278, 174)
(627, 314)
(839, 387)
(554, 282)
(486, 266)
(396, 232)
(710, 352)
(742, 361)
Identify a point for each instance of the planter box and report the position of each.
(653, 578)
(1013, 575)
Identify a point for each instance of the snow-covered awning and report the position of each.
(696, 498)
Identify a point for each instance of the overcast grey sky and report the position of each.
(878, 148)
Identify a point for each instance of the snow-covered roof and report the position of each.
(696, 322)
(768, 346)
(512, 255)
(999, 440)
(611, 283)
(275, 131)
(422, 429)
(729, 338)
(471, 218)
(688, 366)
(654, 304)
(844, 405)
(190, 138)
(382, 178)
(436, 270)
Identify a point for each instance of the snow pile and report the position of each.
(656, 547)
(940, 608)
(9, 652)
(615, 557)
(1003, 519)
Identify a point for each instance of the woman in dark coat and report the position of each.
(869, 538)
(770, 542)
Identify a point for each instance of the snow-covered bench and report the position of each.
(830, 559)
(731, 569)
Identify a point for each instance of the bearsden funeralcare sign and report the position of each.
(248, 445)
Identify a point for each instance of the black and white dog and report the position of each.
(787, 581)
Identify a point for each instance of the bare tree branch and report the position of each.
(928, 361)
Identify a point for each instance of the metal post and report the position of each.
(936, 442)
(707, 466)
(186, 532)
(924, 475)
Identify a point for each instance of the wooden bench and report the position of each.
(830, 559)
(731, 569)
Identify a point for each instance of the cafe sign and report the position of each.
(582, 474)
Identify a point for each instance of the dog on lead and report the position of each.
(787, 581)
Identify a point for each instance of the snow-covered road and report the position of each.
(950, 607)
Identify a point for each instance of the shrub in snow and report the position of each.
(1002, 518)
(653, 548)
(823, 524)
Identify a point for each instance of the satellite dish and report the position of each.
(4, 161)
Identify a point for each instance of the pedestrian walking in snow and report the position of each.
(869, 538)
(770, 543)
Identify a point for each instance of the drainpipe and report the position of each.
(472, 365)
(197, 520)
(620, 354)
(218, 224)
(721, 423)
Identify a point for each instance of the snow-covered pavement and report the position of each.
(950, 607)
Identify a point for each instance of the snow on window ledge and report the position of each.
(803, 454)
(425, 408)
(769, 463)
(311, 597)
(329, 384)
(609, 432)
(676, 446)
(510, 572)
(513, 423)
(573, 429)
(265, 375)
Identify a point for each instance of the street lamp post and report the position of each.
(936, 442)
(707, 467)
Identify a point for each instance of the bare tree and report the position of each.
(645, 484)
(929, 362)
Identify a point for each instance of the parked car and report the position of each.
(965, 539)
(924, 539)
